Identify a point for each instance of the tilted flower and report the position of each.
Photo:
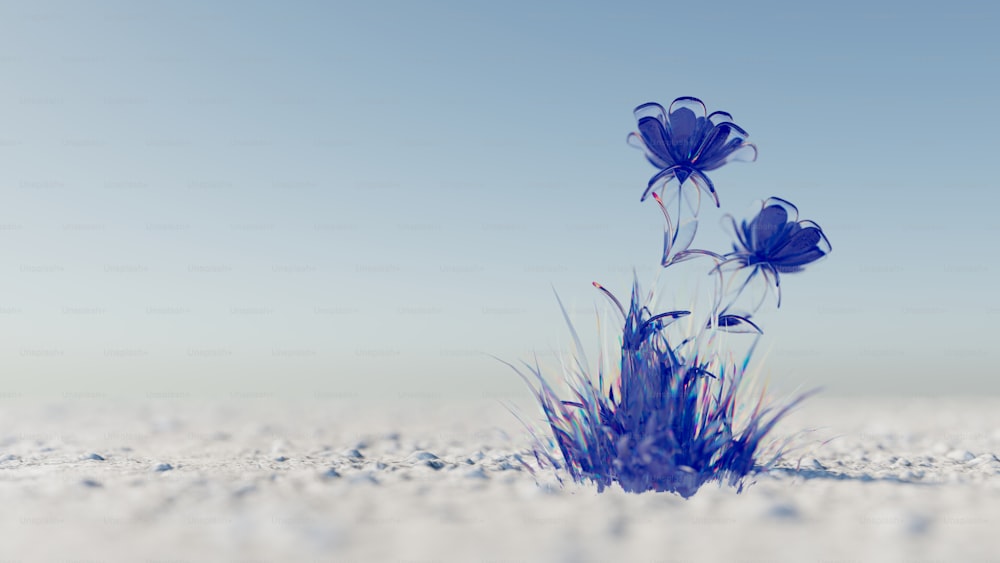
(776, 242)
(684, 143)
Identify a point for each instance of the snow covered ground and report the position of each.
(332, 480)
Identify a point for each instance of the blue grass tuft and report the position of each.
(670, 421)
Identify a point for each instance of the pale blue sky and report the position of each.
(362, 198)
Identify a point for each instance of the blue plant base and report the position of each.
(668, 422)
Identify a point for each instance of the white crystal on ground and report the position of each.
(364, 478)
(960, 455)
(782, 511)
(985, 459)
(475, 473)
(812, 463)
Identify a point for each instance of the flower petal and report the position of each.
(747, 152)
(665, 319)
(655, 142)
(717, 117)
(721, 144)
(686, 134)
(793, 212)
(773, 282)
(733, 262)
(741, 233)
(691, 103)
(704, 184)
(661, 177)
(737, 324)
(806, 246)
(791, 267)
(824, 243)
(650, 109)
(678, 241)
(747, 280)
(799, 243)
(685, 255)
(634, 139)
(766, 226)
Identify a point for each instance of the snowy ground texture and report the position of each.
(271, 480)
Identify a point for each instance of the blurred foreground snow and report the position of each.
(274, 480)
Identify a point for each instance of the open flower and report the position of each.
(776, 242)
(684, 143)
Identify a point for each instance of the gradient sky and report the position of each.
(365, 198)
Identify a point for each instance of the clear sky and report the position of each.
(365, 198)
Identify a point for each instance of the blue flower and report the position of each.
(776, 242)
(684, 143)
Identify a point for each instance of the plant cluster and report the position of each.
(674, 415)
